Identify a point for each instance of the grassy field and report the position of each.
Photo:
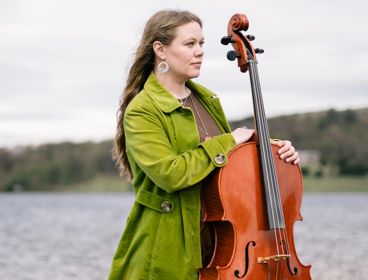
(336, 184)
(311, 184)
(99, 184)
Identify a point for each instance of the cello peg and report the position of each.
(226, 40)
(260, 51)
(232, 55)
(250, 37)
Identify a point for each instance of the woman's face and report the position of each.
(184, 55)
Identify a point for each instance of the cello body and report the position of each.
(235, 207)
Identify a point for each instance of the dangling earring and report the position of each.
(165, 69)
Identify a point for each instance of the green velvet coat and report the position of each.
(162, 237)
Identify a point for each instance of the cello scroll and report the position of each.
(244, 50)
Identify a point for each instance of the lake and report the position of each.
(47, 236)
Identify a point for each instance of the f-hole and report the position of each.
(236, 272)
(287, 260)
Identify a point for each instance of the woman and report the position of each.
(172, 133)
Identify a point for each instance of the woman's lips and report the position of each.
(197, 63)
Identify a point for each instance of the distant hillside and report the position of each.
(340, 136)
(50, 165)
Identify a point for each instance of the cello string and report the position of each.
(277, 198)
(260, 132)
(269, 159)
(284, 232)
(272, 167)
(283, 271)
(266, 138)
(272, 170)
(262, 135)
(266, 169)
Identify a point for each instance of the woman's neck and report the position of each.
(174, 85)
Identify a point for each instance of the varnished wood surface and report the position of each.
(241, 218)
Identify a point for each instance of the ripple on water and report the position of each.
(74, 236)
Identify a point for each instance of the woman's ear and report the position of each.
(159, 50)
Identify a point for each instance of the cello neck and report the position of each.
(272, 194)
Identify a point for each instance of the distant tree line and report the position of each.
(40, 168)
(340, 136)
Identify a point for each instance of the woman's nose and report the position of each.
(199, 51)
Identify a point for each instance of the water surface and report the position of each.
(74, 236)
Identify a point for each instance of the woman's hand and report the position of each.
(242, 135)
(287, 152)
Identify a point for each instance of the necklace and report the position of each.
(181, 100)
(204, 130)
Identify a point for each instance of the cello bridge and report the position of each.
(276, 258)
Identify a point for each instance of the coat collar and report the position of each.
(168, 103)
(165, 100)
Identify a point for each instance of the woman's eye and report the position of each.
(201, 43)
(191, 44)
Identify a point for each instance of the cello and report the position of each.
(253, 201)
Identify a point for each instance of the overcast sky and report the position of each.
(63, 63)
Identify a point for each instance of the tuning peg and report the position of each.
(226, 40)
(231, 55)
(250, 37)
(260, 51)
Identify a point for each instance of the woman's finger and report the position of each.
(288, 153)
(242, 135)
(278, 143)
(292, 157)
(286, 146)
(297, 160)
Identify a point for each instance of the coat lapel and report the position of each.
(168, 103)
(160, 95)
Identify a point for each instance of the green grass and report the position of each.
(109, 183)
(102, 183)
(336, 184)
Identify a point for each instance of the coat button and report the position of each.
(219, 158)
(166, 206)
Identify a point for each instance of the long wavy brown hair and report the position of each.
(160, 27)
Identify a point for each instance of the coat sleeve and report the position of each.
(148, 143)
